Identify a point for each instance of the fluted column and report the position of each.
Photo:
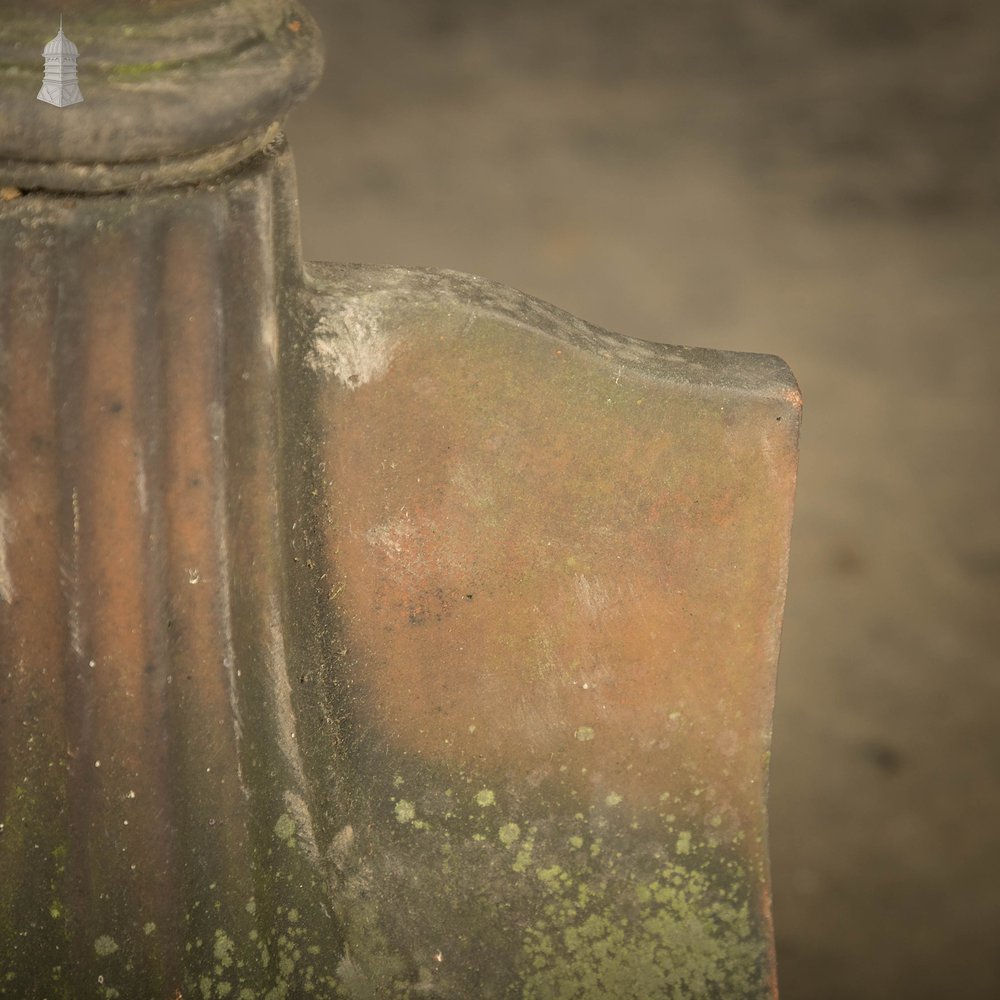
(150, 780)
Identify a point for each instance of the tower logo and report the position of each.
(60, 86)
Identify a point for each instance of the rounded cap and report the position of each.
(176, 90)
(60, 46)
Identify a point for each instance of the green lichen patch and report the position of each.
(105, 945)
(555, 899)
(524, 856)
(678, 935)
(223, 949)
(549, 874)
(405, 811)
(509, 834)
(284, 828)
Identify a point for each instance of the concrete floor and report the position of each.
(818, 181)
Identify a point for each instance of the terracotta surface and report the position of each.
(370, 632)
(558, 559)
(813, 180)
(129, 630)
(533, 541)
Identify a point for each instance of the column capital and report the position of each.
(176, 90)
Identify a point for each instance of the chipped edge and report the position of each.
(335, 287)
(351, 343)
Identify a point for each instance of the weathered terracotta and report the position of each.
(368, 632)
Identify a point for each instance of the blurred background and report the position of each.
(818, 180)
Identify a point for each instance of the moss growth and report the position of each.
(132, 70)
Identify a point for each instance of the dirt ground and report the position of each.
(814, 180)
